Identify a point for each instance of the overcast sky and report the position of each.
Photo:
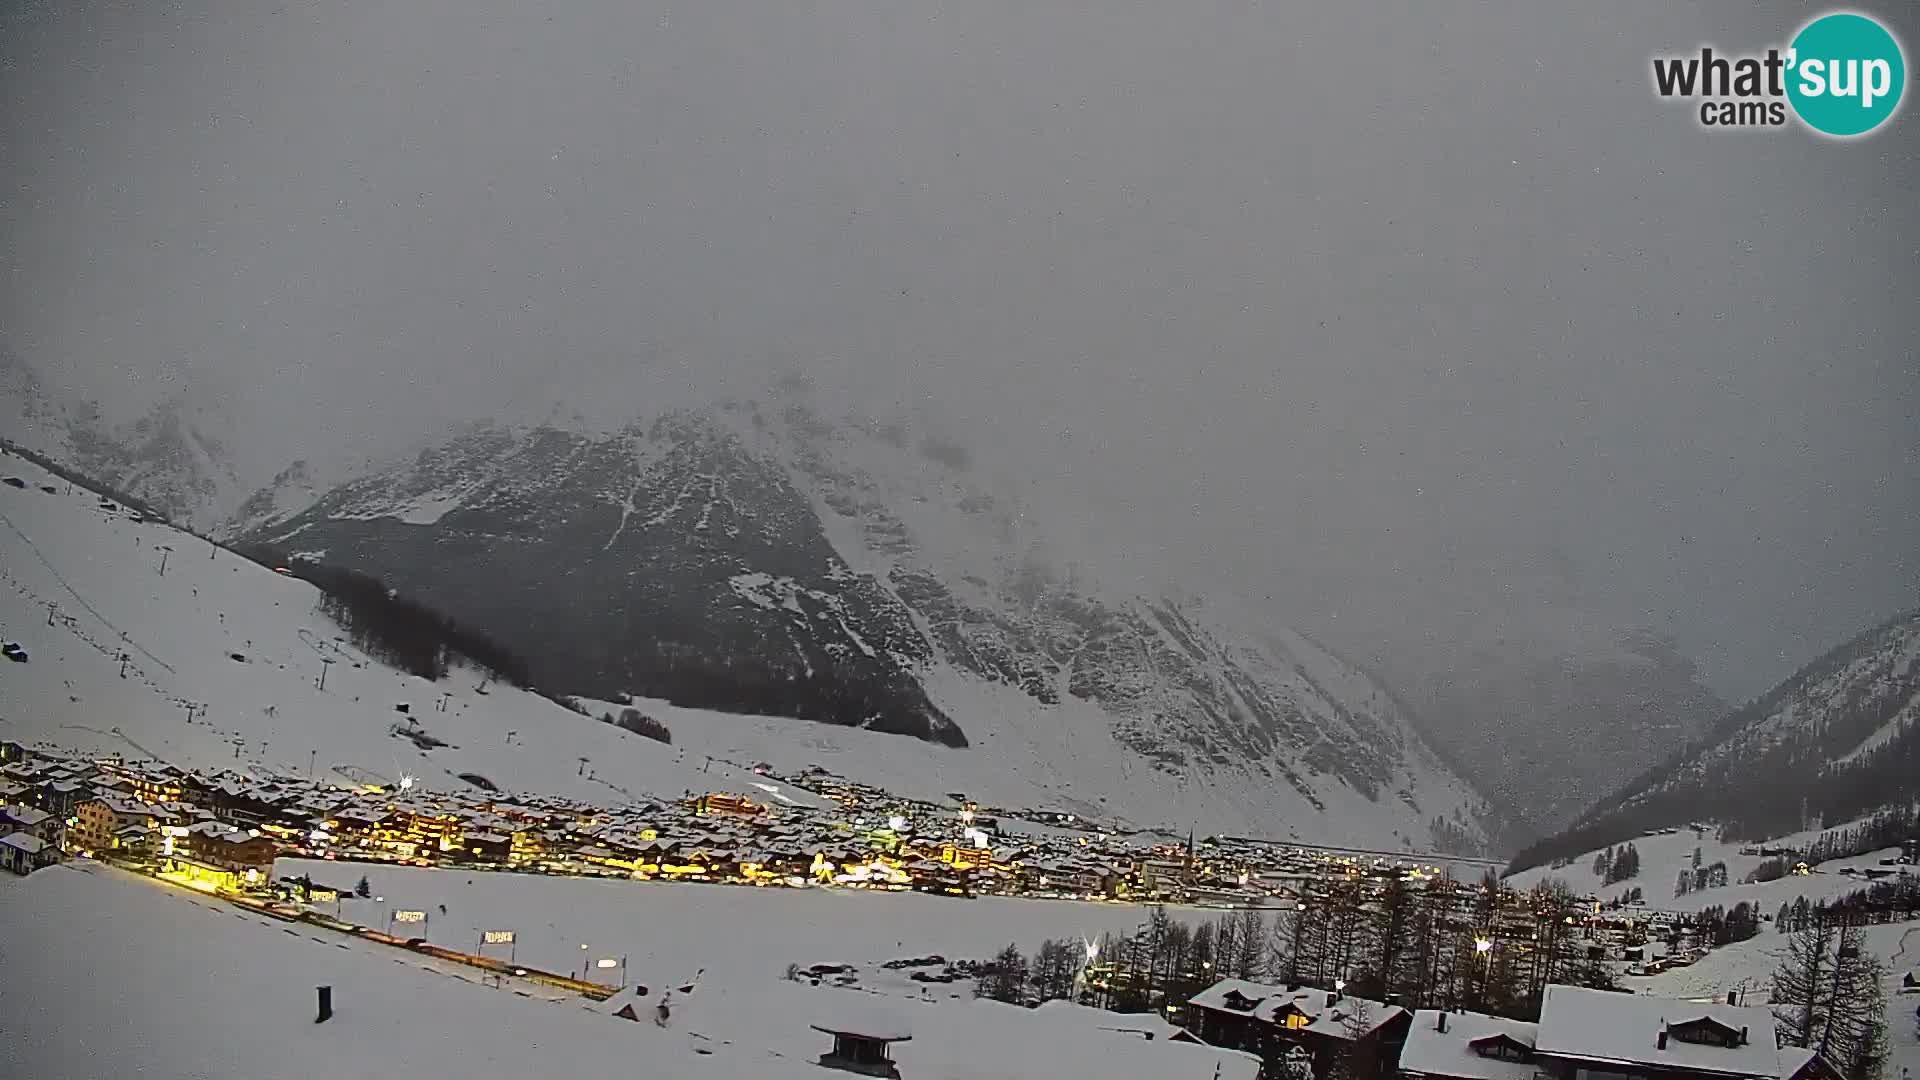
(1397, 312)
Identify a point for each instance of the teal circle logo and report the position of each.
(1847, 74)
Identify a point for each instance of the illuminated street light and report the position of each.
(1482, 945)
(896, 823)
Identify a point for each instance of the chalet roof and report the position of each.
(24, 816)
(26, 842)
(863, 1020)
(1240, 997)
(1432, 1052)
(1598, 1025)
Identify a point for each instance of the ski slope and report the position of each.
(125, 977)
(223, 663)
(1662, 858)
(1061, 757)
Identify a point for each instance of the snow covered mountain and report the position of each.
(145, 641)
(761, 557)
(1550, 722)
(1837, 741)
(174, 458)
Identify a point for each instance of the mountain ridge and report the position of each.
(760, 554)
(1836, 741)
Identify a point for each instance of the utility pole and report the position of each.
(325, 663)
(312, 757)
(123, 665)
(164, 552)
(49, 613)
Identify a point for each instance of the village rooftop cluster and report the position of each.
(223, 831)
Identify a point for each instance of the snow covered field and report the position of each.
(1662, 858)
(668, 931)
(181, 631)
(121, 976)
(1748, 966)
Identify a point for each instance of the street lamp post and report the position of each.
(1483, 947)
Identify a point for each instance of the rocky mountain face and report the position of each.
(760, 557)
(1838, 740)
(172, 458)
(1549, 733)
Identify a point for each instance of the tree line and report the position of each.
(1894, 900)
(1716, 926)
(395, 629)
(1613, 865)
(1436, 944)
(1889, 827)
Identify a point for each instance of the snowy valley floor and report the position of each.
(109, 974)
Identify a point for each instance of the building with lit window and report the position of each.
(1328, 1026)
(213, 858)
(31, 820)
(97, 824)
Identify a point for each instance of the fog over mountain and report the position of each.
(1431, 329)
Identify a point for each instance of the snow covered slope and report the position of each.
(1837, 741)
(175, 457)
(1748, 967)
(764, 558)
(1664, 857)
(121, 976)
(223, 660)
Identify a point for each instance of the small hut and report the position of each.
(861, 1043)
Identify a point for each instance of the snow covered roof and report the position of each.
(1600, 1025)
(1240, 997)
(24, 816)
(1432, 1052)
(30, 844)
(1136, 1025)
(847, 1014)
